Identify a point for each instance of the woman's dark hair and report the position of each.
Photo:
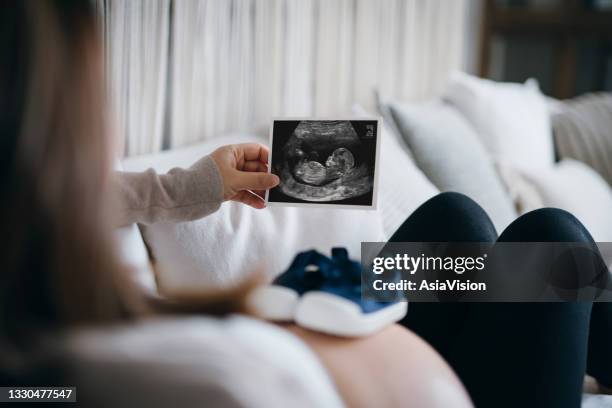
(58, 264)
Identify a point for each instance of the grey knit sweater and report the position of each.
(179, 195)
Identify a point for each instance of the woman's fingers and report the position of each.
(261, 193)
(255, 166)
(250, 199)
(252, 152)
(255, 181)
(244, 170)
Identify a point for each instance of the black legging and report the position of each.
(511, 354)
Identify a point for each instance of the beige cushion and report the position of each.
(583, 131)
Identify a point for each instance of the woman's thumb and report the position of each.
(256, 180)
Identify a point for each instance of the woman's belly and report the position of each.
(389, 369)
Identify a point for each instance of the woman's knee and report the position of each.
(546, 225)
(456, 206)
(448, 216)
(575, 267)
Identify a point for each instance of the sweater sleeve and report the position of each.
(179, 195)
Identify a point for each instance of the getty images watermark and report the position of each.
(485, 272)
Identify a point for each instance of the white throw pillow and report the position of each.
(512, 120)
(575, 187)
(402, 187)
(447, 150)
(225, 247)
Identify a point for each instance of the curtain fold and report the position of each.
(136, 37)
(196, 69)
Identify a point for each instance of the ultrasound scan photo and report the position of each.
(324, 162)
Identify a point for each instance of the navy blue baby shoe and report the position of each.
(324, 295)
(337, 306)
(278, 301)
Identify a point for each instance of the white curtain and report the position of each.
(136, 39)
(234, 64)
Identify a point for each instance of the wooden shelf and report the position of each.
(566, 25)
(551, 22)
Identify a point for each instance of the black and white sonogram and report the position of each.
(324, 162)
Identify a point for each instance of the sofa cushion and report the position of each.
(402, 186)
(575, 187)
(134, 254)
(582, 131)
(448, 151)
(512, 120)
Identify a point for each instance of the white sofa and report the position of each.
(236, 241)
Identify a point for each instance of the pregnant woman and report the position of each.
(61, 272)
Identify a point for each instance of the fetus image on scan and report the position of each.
(322, 161)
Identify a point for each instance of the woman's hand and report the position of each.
(244, 170)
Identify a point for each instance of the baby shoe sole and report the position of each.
(331, 314)
(273, 302)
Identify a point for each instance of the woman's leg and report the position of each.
(446, 217)
(599, 362)
(527, 354)
(546, 225)
(509, 354)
